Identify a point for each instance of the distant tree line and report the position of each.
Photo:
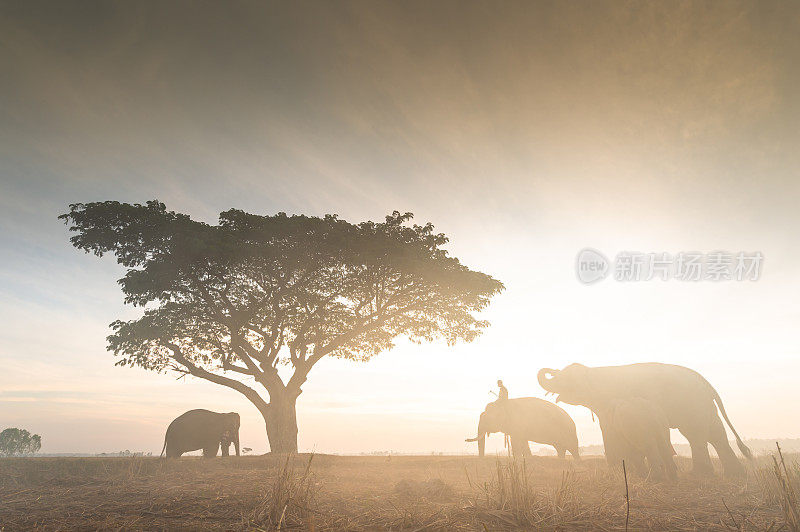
(126, 452)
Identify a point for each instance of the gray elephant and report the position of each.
(527, 419)
(635, 429)
(688, 401)
(202, 429)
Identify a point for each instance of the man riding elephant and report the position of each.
(526, 419)
(502, 393)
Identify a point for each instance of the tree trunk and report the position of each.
(281, 420)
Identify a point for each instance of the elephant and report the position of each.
(687, 399)
(526, 419)
(635, 429)
(202, 429)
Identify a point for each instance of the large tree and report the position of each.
(231, 302)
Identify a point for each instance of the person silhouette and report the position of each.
(502, 402)
(502, 395)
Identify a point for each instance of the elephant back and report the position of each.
(191, 421)
(547, 420)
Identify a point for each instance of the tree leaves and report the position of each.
(256, 291)
(14, 441)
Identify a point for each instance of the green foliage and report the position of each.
(256, 291)
(14, 441)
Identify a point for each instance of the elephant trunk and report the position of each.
(545, 376)
(236, 442)
(481, 437)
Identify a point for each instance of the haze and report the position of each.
(525, 133)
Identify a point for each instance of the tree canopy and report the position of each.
(14, 442)
(242, 297)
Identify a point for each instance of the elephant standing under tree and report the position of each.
(527, 419)
(202, 429)
(688, 401)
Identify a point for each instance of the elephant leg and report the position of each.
(520, 447)
(613, 448)
(210, 451)
(670, 468)
(665, 452)
(731, 465)
(635, 461)
(561, 451)
(173, 453)
(576, 455)
(701, 460)
(655, 461)
(526, 448)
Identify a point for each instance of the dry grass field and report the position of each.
(379, 492)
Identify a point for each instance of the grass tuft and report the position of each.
(781, 485)
(289, 501)
(510, 498)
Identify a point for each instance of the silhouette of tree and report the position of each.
(231, 302)
(14, 441)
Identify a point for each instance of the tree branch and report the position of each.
(197, 371)
(227, 366)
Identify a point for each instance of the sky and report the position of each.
(525, 131)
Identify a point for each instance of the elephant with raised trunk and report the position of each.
(202, 429)
(688, 401)
(526, 419)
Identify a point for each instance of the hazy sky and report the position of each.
(524, 131)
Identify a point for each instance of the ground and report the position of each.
(326, 492)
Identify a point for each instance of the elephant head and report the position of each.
(572, 384)
(491, 420)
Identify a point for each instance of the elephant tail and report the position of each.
(739, 443)
(163, 448)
